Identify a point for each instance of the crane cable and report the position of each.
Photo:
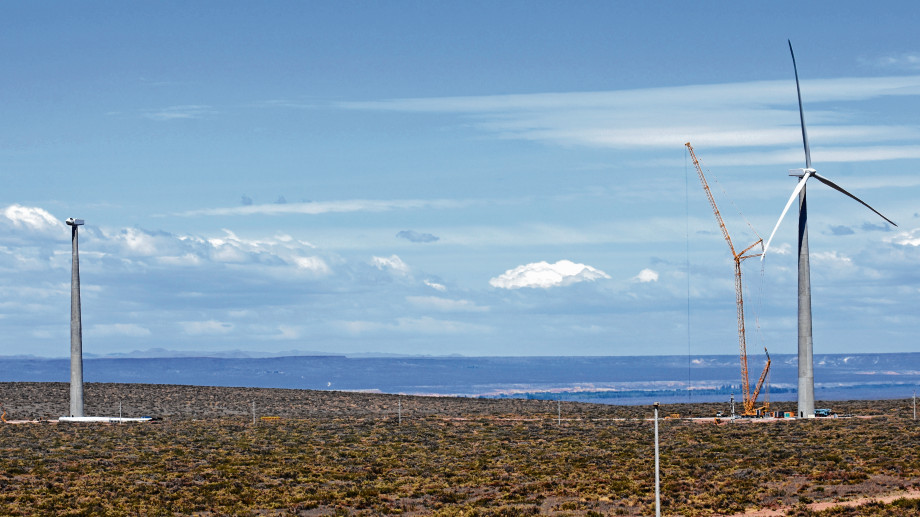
(687, 219)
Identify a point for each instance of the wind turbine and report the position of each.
(806, 390)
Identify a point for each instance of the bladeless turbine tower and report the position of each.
(76, 324)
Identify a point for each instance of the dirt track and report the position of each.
(826, 505)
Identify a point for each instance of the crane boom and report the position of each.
(763, 377)
(749, 400)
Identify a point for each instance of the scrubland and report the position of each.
(334, 453)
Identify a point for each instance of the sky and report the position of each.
(437, 178)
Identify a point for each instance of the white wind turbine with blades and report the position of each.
(806, 388)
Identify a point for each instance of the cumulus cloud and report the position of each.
(392, 263)
(164, 248)
(831, 257)
(413, 236)
(646, 275)
(315, 264)
(546, 275)
(32, 219)
(435, 285)
(908, 238)
(223, 287)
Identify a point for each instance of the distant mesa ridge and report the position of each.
(611, 379)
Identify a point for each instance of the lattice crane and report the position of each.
(750, 399)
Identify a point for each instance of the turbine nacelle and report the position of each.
(801, 172)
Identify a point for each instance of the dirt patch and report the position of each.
(826, 505)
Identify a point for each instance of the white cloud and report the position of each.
(445, 304)
(137, 242)
(545, 275)
(647, 275)
(906, 61)
(831, 257)
(783, 249)
(167, 249)
(186, 260)
(391, 263)
(754, 114)
(733, 95)
(314, 264)
(908, 238)
(342, 206)
(33, 219)
(436, 286)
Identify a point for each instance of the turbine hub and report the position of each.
(801, 172)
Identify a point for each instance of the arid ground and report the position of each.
(335, 453)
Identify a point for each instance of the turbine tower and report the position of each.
(76, 325)
(806, 389)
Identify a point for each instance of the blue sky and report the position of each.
(477, 178)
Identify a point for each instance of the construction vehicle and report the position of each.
(750, 407)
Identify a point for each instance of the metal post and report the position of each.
(733, 406)
(559, 412)
(915, 405)
(76, 324)
(253, 412)
(657, 479)
(400, 411)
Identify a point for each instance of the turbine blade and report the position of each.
(801, 111)
(795, 192)
(838, 188)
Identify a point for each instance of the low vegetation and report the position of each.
(332, 453)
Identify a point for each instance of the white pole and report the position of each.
(657, 479)
(915, 405)
(559, 412)
(400, 411)
(253, 412)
